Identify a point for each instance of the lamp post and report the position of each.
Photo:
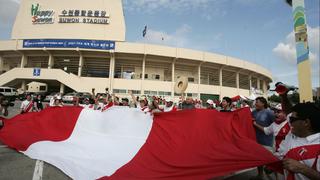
(302, 49)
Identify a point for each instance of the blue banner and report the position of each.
(68, 43)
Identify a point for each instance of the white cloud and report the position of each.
(287, 51)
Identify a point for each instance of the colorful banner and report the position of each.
(300, 29)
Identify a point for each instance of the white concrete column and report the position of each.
(111, 71)
(23, 61)
(237, 80)
(143, 67)
(81, 60)
(199, 79)
(61, 88)
(143, 72)
(50, 61)
(258, 84)
(23, 86)
(250, 82)
(1, 64)
(111, 68)
(220, 83)
(265, 88)
(220, 76)
(172, 77)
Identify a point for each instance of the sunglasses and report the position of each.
(293, 119)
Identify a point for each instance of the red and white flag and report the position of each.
(125, 143)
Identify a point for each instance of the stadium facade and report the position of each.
(79, 45)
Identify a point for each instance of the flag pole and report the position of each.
(302, 49)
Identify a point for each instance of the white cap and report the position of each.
(142, 98)
(168, 99)
(209, 101)
(279, 107)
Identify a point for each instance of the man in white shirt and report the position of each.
(27, 105)
(169, 105)
(301, 148)
(87, 104)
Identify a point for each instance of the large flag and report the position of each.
(144, 32)
(125, 143)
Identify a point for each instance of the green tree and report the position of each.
(274, 98)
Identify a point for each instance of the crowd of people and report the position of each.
(292, 133)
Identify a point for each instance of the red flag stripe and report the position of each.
(25, 129)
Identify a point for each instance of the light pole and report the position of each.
(302, 49)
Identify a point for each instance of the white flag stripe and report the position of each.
(100, 144)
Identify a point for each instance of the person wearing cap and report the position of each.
(300, 150)
(169, 105)
(279, 128)
(142, 104)
(210, 104)
(154, 105)
(87, 104)
(58, 102)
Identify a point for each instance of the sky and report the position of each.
(258, 31)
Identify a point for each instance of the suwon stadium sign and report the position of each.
(84, 16)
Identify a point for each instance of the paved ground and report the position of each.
(16, 166)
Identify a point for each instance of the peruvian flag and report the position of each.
(125, 143)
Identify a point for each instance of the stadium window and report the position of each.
(136, 92)
(43, 88)
(147, 92)
(153, 93)
(157, 76)
(120, 91)
(190, 79)
(167, 93)
(146, 76)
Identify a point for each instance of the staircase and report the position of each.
(70, 80)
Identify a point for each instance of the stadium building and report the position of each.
(77, 45)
